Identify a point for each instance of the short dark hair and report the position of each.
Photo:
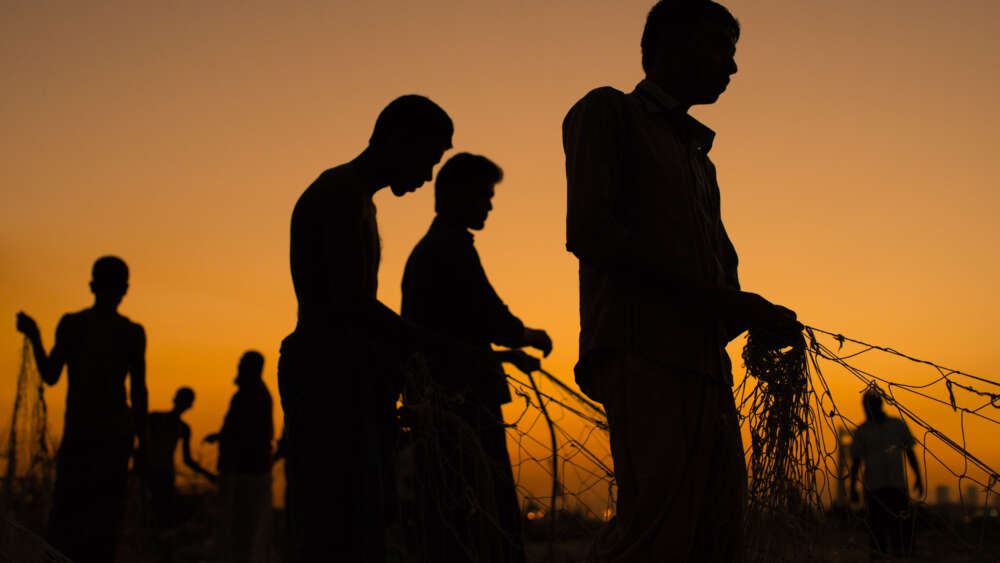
(252, 362)
(413, 116)
(670, 22)
(109, 272)
(462, 172)
(185, 394)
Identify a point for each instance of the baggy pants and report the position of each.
(679, 464)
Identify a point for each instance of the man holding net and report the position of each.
(659, 293)
(100, 348)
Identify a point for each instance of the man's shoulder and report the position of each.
(323, 194)
(603, 94)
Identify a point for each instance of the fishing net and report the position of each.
(29, 467)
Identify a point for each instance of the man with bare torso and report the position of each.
(100, 348)
(339, 372)
(166, 430)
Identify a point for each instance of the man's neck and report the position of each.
(367, 166)
(666, 86)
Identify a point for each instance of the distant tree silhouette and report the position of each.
(100, 349)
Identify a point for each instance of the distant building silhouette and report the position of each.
(942, 495)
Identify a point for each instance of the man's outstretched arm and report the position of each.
(855, 468)
(190, 462)
(911, 457)
(50, 366)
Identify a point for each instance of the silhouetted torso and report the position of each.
(446, 290)
(644, 207)
(166, 430)
(335, 246)
(245, 439)
(100, 349)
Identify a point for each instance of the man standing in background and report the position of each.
(659, 293)
(99, 348)
(166, 429)
(245, 464)
(880, 443)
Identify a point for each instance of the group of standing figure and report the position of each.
(101, 349)
(659, 300)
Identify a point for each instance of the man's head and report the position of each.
(411, 135)
(688, 49)
(464, 189)
(872, 403)
(251, 367)
(109, 280)
(183, 399)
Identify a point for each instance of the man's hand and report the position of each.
(27, 325)
(522, 361)
(537, 339)
(854, 494)
(211, 438)
(753, 312)
(918, 486)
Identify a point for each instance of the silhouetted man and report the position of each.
(445, 289)
(166, 429)
(659, 293)
(880, 443)
(339, 372)
(100, 348)
(245, 464)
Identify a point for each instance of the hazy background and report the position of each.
(854, 149)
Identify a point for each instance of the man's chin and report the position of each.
(400, 191)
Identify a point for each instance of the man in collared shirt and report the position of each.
(445, 289)
(660, 295)
(339, 372)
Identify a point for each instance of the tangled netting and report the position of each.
(29, 471)
(797, 441)
(27, 453)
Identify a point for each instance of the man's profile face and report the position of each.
(703, 69)
(415, 165)
(478, 206)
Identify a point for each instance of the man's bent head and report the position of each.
(251, 367)
(464, 189)
(109, 280)
(411, 135)
(688, 49)
(183, 399)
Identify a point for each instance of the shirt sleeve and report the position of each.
(505, 329)
(595, 231)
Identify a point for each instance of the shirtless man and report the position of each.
(166, 429)
(339, 372)
(100, 348)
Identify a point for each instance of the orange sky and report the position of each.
(853, 152)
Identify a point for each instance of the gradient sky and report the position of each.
(854, 149)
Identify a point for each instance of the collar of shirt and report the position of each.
(448, 228)
(657, 100)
